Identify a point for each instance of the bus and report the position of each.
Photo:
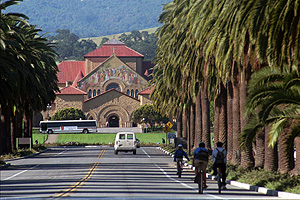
(68, 126)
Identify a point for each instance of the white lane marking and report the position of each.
(185, 185)
(146, 153)
(21, 172)
(17, 174)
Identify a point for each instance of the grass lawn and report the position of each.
(92, 138)
(41, 138)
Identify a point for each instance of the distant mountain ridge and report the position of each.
(91, 18)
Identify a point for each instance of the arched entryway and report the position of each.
(113, 121)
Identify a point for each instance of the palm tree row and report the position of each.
(28, 75)
(208, 51)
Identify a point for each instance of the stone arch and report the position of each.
(119, 82)
(108, 111)
(92, 115)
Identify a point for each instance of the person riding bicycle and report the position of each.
(219, 160)
(200, 161)
(178, 156)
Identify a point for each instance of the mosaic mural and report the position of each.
(106, 73)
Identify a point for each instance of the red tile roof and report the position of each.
(147, 91)
(68, 70)
(70, 90)
(78, 77)
(115, 46)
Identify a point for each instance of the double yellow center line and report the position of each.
(83, 180)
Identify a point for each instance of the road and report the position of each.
(96, 173)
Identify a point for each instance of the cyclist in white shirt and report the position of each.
(220, 160)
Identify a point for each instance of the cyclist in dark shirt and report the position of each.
(178, 156)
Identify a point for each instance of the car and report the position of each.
(125, 141)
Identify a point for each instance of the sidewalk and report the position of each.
(246, 186)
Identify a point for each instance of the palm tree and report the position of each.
(274, 100)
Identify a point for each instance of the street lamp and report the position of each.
(48, 108)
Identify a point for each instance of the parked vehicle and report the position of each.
(125, 141)
(68, 126)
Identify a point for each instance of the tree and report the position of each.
(149, 115)
(69, 47)
(144, 43)
(274, 102)
(28, 75)
(69, 114)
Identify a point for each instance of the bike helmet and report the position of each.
(180, 145)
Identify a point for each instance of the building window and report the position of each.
(98, 92)
(90, 93)
(132, 93)
(113, 86)
(94, 93)
(128, 92)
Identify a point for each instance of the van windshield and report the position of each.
(130, 136)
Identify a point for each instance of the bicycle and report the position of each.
(179, 168)
(219, 176)
(200, 181)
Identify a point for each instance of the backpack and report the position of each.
(202, 155)
(220, 156)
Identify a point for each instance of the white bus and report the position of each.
(68, 126)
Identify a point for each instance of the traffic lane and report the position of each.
(51, 172)
(134, 176)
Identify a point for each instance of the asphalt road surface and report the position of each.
(95, 172)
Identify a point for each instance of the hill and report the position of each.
(92, 18)
(98, 40)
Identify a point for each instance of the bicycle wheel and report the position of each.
(219, 182)
(179, 169)
(200, 182)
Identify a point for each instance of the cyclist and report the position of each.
(178, 156)
(200, 161)
(219, 160)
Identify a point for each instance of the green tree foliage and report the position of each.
(69, 114)
(142, 42)
(68, 47)
(149, 114)
(92, 18)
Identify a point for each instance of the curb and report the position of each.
(246, 186)
(29, 156)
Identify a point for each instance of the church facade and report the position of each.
(108, 86)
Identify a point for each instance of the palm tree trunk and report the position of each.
(3, 130)
(7, 120)
(205, 117)
(283, 152)
(236, 120)
(246, 153)
(223, 116)
(229, 123)
(270, 163)
(192, 125)
(198, 120)
(260, 149)
(216, 120)
(185, 122)
(188, 132)
(296, 170)
(179, 124)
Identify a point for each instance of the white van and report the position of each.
(125, 141)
